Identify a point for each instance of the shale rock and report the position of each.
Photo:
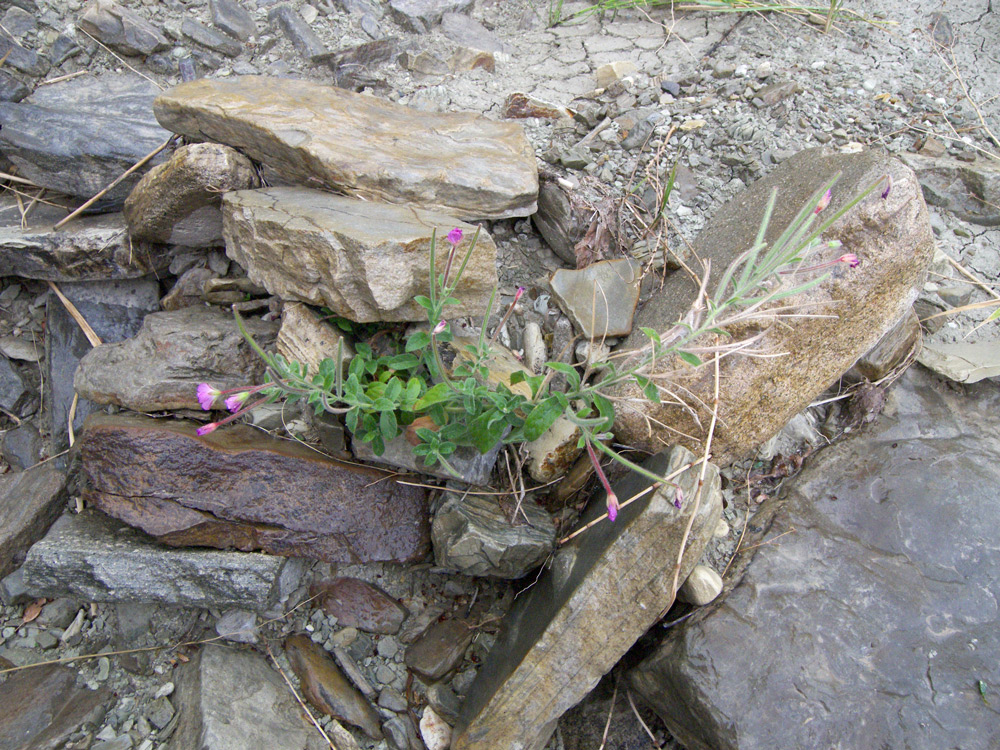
(237, 487)
(604, 590)
(323, 136)
(121, 29)
(600, 299)
(420, 15)
(891, 237)
(29, 502)
(439, 649)
(358, 604)
(179, 202)
(560, 220)
(232, 18)
(366, 261)
(77, 136)
(305, 338)
(173, 352)
(873, 620)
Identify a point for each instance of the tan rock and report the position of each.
(701, 587)
(179, 202)
(600, 299)
(366, 261)
(555, 452)
(304, 338)
(324, 136)
(614, 71)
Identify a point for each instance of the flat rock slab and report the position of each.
(237, 487)
(359, 604)
(77, 136)
(366, 261)
(872, 620)
(41, 708)
(162, 365)
(121, 29)
(233, 699)
(90, 557)
(29, 502)
(963, 361)
(600, 299)
(323, 136)
(758, 395)
(604, 590)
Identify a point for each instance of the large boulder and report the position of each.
(326, 137)
(855, 306)
(870, 620)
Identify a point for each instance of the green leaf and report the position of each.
(423, 301)
(542, 417)
(393, 390)
(606, 409)
(649, 389)
(351, 418)
(568, 370)
(434, 395)
(418, 340)
(692, 359)
(485, 431)
(518, 376)
(387, 423)
(653, 335)
(402, 361)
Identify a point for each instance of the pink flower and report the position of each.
(439, 328)
(233, 403)
(888, 186)
(207, 395)
(678, 497)
(519, 293)
(823, 202)
(850, 259)
(612, 497)
(210, 427)
(455, 236)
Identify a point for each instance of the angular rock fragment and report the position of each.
(600, 298)
(173, 352)
(305, 338)
(232, 18)
(121, 29)
(326, 137)
(603, 591)
(22, 59)
(560, 220)
(303, 38)
(188, 291)
(468, 32)
(970, 191)
(892, 239)
(179, 202)
(891, 351)
(554, 452)
(358, 604)
(29, 502)
(439, 649)
(90, 557)
(237, 487)
(962, 361)
(79, 135)
(419, 15)
(366, 261)
(213, 40)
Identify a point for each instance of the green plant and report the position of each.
(410, 389)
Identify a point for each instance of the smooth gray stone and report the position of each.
(18, 22)
(22, 59)
(873, 619)
(77, 136)
(11, 385)
(419, 15)
(303, 38)
(232, 18)
(121, 29)
(11, 89)
(63, 48)
(208, 38)
(468, 32)
(29, 502)
(91, 557)
(22, 446)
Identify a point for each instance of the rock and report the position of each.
(434, 730)
(555, 452)
(11, 385)
(238, 625)
(474, 535)
(970, 191)
(244, 489)
(22, 446)
(519, 105)
(232, 18)
(189, 290)
(161, 711)
(358, 604)
(439, 649)
(305, 338)
(401, 734)
(600, 299)
(444, 702)
(776, 92)
(18, 22)
(42, 708)
(964, 361)
(63, 48)
(11, 89)
(213, 40)
(701, 587)
(876, 633)
(122, 30)
(22, 59)
(13, 591)
(30, 501)
(350, 64)
(613, 72)
(115, 311)
(179, 202)
(560, 220)
(583, 613)
(91, 557)
(21, 348)
(91, 248)
(79, 135)
(161, 367)
(303, 38)
(470, 33)
(364, 260)
(228, 699)
(891, 351)
(891, 237)
(419, 15)
(535, 351)
(326, 688)
(471, 466)
(460, 163)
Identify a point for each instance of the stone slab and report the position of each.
(30, 501)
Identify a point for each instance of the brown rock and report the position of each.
(439, 649)
(237, 487)
(179, 202)
(305, 338)
(326, 688)
(366, 261)
(322, 136)
(173, 352)
(891, 351)
(30, 501)
(188, 291)
(891, 237)
(358, 604)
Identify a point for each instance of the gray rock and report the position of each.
(472, 466)
(22, 446)
(560, 220)
(302, 37)
(232, 18)
(891, 350)
(601, 298)
(233, 699)
(13, 591)
(162, 366)
(474, 535)
(963, 361)
(94, 558)
(891, 237)
(364, 260)
(445, 702)
(11, 89)
(238, 625)
(970, 191)
(876, 614)
(121, 29)
(468, 32)
(213, 40)
(603, 591)
(18, 22)
(63, 48)
(188, 291)
(30, 501)
(22, 59)
(160, 712)
(180, 201)
(77, 136)
(11, 385)
(419, 15)
(456, 162)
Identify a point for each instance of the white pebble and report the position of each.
(534, 347)
(701, 587)
(434, 730)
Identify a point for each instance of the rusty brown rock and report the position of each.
(439, 649)
(237, 487)
(359, 604)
